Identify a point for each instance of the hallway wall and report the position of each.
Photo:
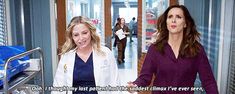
(31, 27)
(41, 34)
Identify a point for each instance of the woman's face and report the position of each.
(175, 21)
(81, 36)
(122, 21)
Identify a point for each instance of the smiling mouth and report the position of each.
(81, 43)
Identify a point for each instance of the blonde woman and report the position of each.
(84, 62)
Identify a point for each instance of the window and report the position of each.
(84, 9)
(153, 9)
(231, 72)
(92, 9)
(3, 32)
(125, 13)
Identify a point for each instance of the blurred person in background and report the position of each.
(131, 27)
(121, 43)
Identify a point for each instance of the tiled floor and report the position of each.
(128, 70)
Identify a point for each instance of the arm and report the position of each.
(116, 28)
(206, 74)
(147, 69)
(114, 70)
(59, 76)
(127, 30)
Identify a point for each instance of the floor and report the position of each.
(128, 70)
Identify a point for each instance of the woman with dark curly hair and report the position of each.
(176, 56)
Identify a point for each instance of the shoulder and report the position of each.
(125, 26)
(117, 26)
(152, 48)
(105, 53)
(69, 53)
(202, 52)
(201, 47)
(105, 49)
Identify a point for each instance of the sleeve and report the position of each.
(59, 80)
(147, 69)
(206, 74)
(127, 29)
(116, 28)
(114, 77)
(114, 70)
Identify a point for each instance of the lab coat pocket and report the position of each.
(105, 69)
(105, 65)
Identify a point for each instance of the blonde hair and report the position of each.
(70, 44)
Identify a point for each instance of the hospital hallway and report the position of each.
(40, 28)
(128, 70)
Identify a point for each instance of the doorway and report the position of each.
(126, 9)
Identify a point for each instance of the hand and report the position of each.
(126, 33)
(131, 85)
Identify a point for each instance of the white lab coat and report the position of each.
(105, 71)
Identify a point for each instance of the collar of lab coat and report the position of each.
(97, 61)
(105, 70)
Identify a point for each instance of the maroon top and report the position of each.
(176, 72)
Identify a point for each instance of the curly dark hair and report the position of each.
(190, 45)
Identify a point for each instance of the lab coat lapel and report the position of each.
(70, 66)
(96, 65)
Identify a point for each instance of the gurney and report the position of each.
(15, 66)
